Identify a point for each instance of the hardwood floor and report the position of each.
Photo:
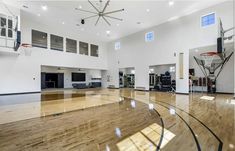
(98, 119)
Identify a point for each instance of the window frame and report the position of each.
(7, 18)
(76, 45)
(153, 36)
(96, 50)
(201, 18)
(46, 47)
(57, 49)
(80, 49)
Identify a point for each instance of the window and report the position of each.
(10, 28)
(94, 50)
(117, 45)
(83, 48)
(149, 36)
(172, 69)
(71, 45)
(3, 26)
(57, 43)
(39, 39)
(208, 20)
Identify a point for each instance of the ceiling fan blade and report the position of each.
(85, 11)
(93, 6)
(107, 3)
(106, 21)
(90, 17)
(113, 17)
(97, 21)
(120, 10)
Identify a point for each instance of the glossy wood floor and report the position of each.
(99, 119)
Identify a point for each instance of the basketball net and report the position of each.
(27, 49)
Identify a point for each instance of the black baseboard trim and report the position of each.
(20, 93)
(141, 90)
(223, 93)
(212, 93)
(112, 88)
(181, 93)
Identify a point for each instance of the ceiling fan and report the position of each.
(100, 13)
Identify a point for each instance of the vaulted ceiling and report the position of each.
(138, 14)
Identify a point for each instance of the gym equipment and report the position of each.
(100, 13)
(210, 62)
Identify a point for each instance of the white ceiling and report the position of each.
(135, 11)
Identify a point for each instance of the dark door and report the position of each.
(60, 80)
(43, 80)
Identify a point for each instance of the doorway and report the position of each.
(162, 78)
(52, 80)
(127, 77)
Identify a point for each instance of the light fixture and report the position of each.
(100, 13)
(171, 3)
(117, 24)
(38, 15)
(147, 10)
(173, 18)
(63, 23)
(108, 32)
(44, 7)
(80, 6)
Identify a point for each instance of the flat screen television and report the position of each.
(78, 77)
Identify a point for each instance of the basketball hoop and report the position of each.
(210, 58)
(27, 49)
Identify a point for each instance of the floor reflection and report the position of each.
(147, 139)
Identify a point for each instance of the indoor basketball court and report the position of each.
(114, 75)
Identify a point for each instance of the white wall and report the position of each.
(172, 37)
(22, 73)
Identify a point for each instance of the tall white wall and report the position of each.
(176, 36)
(22, 73)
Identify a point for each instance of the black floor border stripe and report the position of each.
(162, 135)
(220, 142)
(191, 130)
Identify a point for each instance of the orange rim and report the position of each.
(209, 54)
(25, 45)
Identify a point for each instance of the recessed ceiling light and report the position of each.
(38, 15)
(147, 10)
(63, 23)
(44, 7)
(173, 18)
(108, 32)
(80, 6)
(117, 24)
(171, 3)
